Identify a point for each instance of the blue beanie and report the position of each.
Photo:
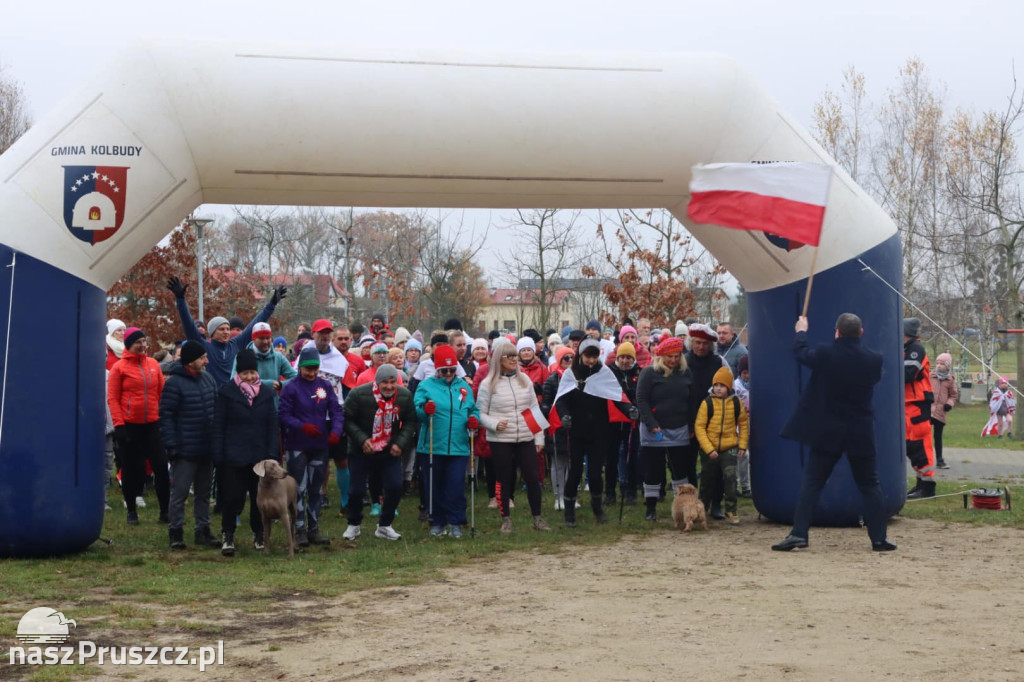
(280, 341)
(593, 324)
(413, 344)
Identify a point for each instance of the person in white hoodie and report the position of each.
(504, 396)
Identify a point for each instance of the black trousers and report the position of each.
(142, 443)
(507, 457)
(597, 448)
(237, 482)
(937, 428)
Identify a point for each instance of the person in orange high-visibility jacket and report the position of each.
(917, 404)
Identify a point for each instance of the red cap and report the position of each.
(261, 330)
(444, 356)
(322, 326)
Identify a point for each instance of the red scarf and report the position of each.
(387, 414)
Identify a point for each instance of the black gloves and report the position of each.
(567, 422)
(176, 287)
(947, 407)
(279, 293)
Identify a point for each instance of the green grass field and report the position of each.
(963, 430)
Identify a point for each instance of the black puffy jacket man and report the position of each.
(186, 418)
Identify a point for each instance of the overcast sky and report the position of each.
(795, 48)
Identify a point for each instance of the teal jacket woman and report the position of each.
(455, 404)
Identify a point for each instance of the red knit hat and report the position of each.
(669, 346)
(444, 356)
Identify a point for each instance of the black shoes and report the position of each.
(790, 543)
(177, 537)
(716, 514)
(569, 506)
(883, 546)
(316, 539)
(203, 538)
(942, 464)
(133, 518)
(301, 539)
(746, 493)
(163, 518)
(598, 509)
(924, 489)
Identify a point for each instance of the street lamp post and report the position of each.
(199, 224)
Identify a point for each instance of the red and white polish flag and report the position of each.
(535, 420)
(786, 199)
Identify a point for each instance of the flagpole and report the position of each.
(810, 282)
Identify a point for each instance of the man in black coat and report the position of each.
(186, 418)
(834, 416)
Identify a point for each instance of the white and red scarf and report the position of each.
(387, 414)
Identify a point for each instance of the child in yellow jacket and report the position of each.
(722, 430)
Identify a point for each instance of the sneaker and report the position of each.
(942, 464)
(424, 516)
(650, 516)
(437, 531)
(352, 532)
(375, 509)
(133, 518)
(387, 533)
(733, 518)
(558, 504)
(456, 532)
(257, 541)
(325, 502)
(493, 504)
(540, 524)
(106, 507)
(746, 493)
(228, 546)
(506, 524)
(140, 502)
(511, 504)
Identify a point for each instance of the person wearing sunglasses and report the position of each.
(506, 395)
(447, 400)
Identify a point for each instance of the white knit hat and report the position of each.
(114, 325)
(524, 343)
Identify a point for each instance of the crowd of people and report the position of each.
(593, 410)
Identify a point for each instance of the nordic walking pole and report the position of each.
(430, 503)
(629, 450)
(472, 486)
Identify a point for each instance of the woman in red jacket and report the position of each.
(133, 395)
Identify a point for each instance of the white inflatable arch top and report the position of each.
(169, 126)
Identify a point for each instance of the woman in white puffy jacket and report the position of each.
(504, 396)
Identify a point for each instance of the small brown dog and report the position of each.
(687, 509)
(276, 498)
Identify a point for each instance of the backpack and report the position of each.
(735, 405)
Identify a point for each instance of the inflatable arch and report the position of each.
(92, 187)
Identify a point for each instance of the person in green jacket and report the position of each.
(447, 400)
(274, 369)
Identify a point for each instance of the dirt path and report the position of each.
(947, 606)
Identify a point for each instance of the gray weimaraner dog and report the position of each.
(276, 498)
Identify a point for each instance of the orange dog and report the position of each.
(687, 509)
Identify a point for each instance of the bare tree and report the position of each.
(14, 118)
(988, 183)
(548, 249)
(841, 122)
